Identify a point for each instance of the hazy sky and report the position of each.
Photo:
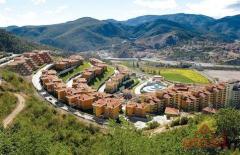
(39, 12)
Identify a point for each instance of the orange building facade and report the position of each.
(30, 62)
(184, 98)
(82, 96)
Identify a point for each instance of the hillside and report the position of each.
(227, 27)
(181, 18)
(161, 33)
(79, 35)
(13, 44)
(146, 31)
(43, 129)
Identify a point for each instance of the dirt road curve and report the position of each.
(20, 106)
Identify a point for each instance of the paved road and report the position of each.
(36, 77)
(20, 106)
(54, 101)
(7, 60)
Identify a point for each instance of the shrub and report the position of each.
(183, 121)
(175, 122)
(153, 125)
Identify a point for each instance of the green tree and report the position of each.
(227, 121)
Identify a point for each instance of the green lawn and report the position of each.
(184, 76)
(179, 75)
(98, 81)
(79, 69)
(7, 103)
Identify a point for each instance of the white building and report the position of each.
(233, 93)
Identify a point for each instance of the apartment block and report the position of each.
(39, 57)
(137, 109)
(78, 81)
(185, 98)
(218, 95)
(29, 62)
(233, 92)
(23, 66)
(172, 112)
(209, 110)
(80, 95)
(113, 84)
(107, 108)
(95, 61)
(88, 75)
(97, 70)
(72, 61)
(79, 100)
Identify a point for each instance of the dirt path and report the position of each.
(20, 106)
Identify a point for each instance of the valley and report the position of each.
(153, 84)
(177, 36)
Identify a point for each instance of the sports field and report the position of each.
(184, 76)
(180, 75)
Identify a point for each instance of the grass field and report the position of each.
(98, 81)
(184, 76)
(179, 75)
(79, 69)
(7, 103)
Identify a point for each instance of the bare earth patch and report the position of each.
(223, 75)
(21, 104)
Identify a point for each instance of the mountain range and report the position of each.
(151, 31)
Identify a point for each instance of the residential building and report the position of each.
(137, 109)
(186, 98)
(107, 108)
(72, 61)
(218, 95)
(29, 62)
(113, 84)
(209, 110)
(233, 93)
(172, 112)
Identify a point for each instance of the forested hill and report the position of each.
(14, 44)
(146, 32)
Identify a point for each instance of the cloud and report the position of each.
(235, 6)
(2, 1)
(38, 2)
(157, 4)
(213, 8)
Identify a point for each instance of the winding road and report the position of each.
(139, 87)
(90, 119)
(20, 106)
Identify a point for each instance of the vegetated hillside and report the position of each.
(224, 29)
(161, 33)
(79, 35)
(181, 18)
(228, 27)
(13, 44)
(43, 129)
(146, 31)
